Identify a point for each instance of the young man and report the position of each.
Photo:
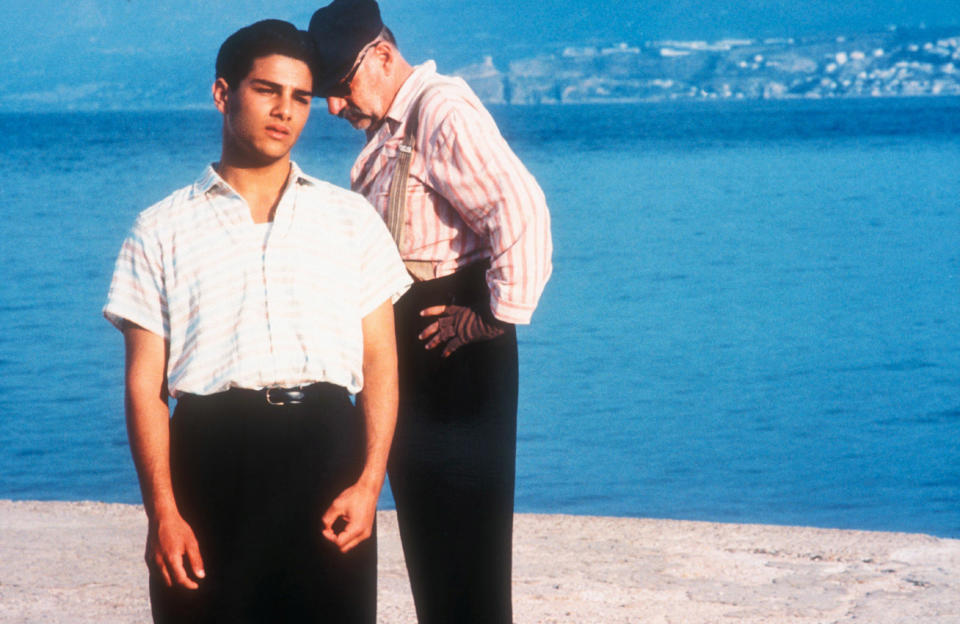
(259, 298)
(473, 228)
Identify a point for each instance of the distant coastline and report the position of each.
(892, 63)
(896, 62)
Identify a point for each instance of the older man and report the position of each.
(473, 229)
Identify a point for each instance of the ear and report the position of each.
(384, 54)
(220, 94)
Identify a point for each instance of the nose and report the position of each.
(284, 107)
(335, 105)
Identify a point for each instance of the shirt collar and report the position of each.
(211, 185)
(211, 182)
(297, 176)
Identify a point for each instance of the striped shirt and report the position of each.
(469, 197)
(256, 305)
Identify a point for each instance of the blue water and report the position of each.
(753, 315)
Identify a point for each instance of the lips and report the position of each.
(278, 132)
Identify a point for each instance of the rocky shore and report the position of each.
(892, 63)
(82, 563)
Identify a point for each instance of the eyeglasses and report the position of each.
(342, 88)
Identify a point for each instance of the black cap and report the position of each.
(339, 31)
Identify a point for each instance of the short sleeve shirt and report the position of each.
(257, 305)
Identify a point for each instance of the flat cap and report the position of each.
(339, 31)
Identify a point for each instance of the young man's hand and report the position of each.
(349, 519)
(173, 552)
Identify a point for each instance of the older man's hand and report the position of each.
(456, 326)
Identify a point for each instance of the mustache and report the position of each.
(349, 110)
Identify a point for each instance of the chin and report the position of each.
(276, 149)
(357, 120)
(267, 155)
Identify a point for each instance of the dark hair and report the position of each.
(242, 48)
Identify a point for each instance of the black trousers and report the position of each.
(452, 464)
(253, 481)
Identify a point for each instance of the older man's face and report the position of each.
(363, 98)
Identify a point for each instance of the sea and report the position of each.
(754, 314)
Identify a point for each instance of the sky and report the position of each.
(55, 52)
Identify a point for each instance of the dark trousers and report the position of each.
(452, 464)
(253, 481)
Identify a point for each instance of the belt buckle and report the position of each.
(290, 396)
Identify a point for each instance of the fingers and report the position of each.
(454, 344)
(353, 533)
(456, 327)
(183, 560)
(160, 565)
(438, 332)
(174, 554)
(195, 560)
(434, 310)
(339, 527)
(438, 340)
(172, 570)
(430, 330)
(179, 572)
(439, 328)
(349, 519)
(330, 517)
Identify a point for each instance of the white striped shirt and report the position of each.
(256, 305)
(469, 197)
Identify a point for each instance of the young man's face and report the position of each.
(265, 112)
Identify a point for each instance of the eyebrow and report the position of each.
(278, 86)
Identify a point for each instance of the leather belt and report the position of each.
(276, 395)
(285, 396)
(297, 395)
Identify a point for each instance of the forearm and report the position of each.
(148, 418)
(380, 396)
(172, 548)
(357, 505)
(499, 200)
(378, 404)
(520, 262)
(148, 430)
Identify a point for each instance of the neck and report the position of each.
(402, 72)
(260, 185)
